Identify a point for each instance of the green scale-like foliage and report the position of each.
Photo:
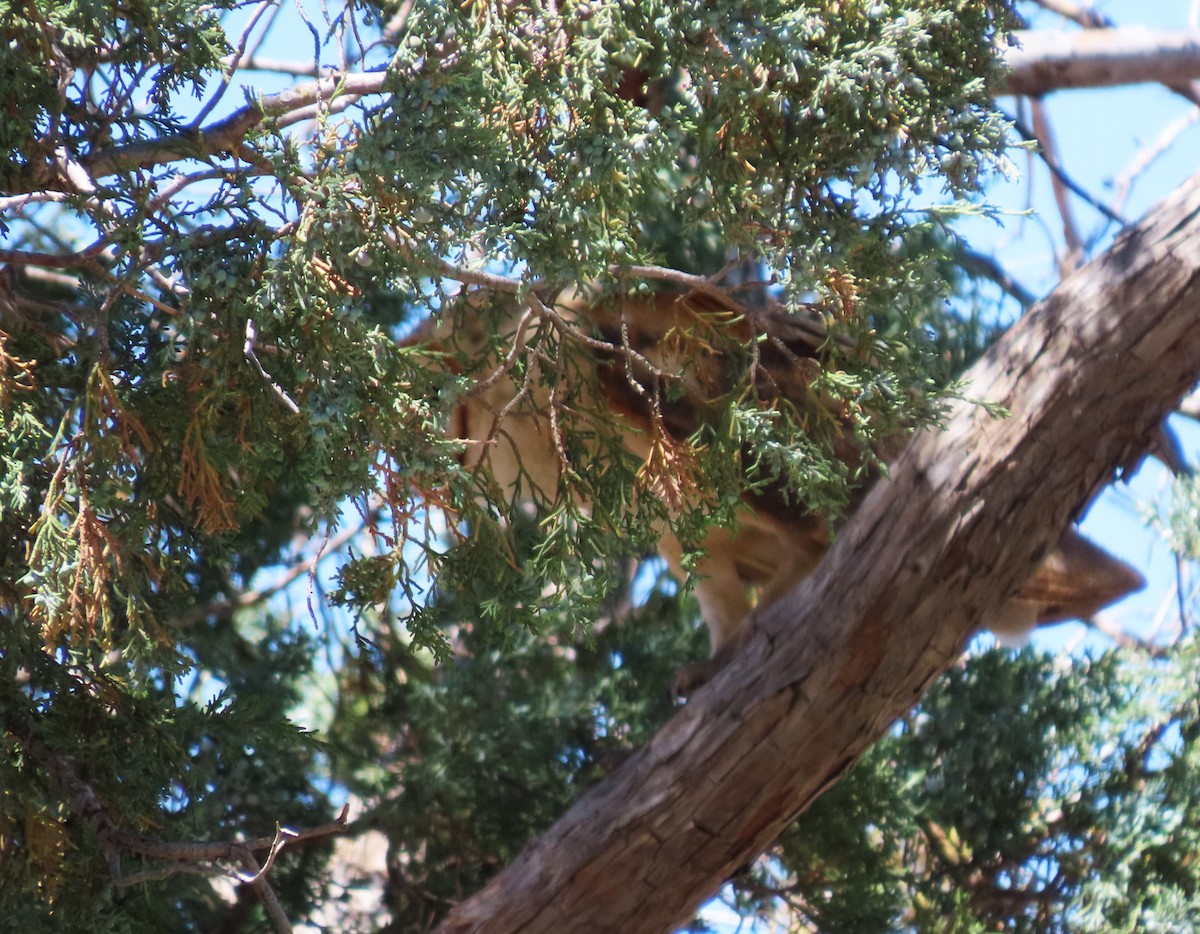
(509, 141)
(157, 50)
(229, 370)
(1024, 795)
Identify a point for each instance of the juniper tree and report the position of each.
(209, 387)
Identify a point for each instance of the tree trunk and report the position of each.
(965, 515)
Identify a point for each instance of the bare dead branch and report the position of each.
(16, 202)
(1046, 60)
(1086, 16)
(226, 135)
(231, 63)
(1049, 151)
(1148, 154)
(262, 888)
(1089, 18)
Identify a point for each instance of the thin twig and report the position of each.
(253, 597)
(162, 196)
(320, 109)
(1049, 149)
(557, 435)
(1058, 172)
(509, 360)
(1165, 139)
(283, 835)
(276, 390)
(622, 350)
(262, 888)
(1185, 622)
(159, 873)
(1104, 625)
(231, 63)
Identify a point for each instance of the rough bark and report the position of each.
(1046, 60)
(1087, 376)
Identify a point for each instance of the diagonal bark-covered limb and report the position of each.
(1088, 376)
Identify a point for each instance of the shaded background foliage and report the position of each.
(206, 386)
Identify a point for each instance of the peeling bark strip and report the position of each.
(1088, 375)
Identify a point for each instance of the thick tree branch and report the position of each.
(1088, 375)
(226, 135)
(1052, 60)
(193, 856)
(1089, 18)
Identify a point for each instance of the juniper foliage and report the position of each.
(207, 390)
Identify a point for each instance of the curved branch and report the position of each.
(983, 266)
(335, 91)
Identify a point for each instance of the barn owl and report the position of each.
(506, 427)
